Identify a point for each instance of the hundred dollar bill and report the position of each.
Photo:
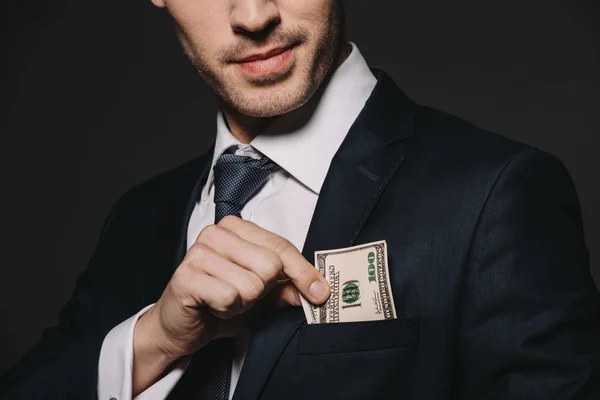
(360, 285)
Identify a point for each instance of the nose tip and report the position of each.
(253, 15)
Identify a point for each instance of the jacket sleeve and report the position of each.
(64, 364)
(530, 313)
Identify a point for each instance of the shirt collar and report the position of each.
(304, 141)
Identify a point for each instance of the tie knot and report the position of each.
(237, 178)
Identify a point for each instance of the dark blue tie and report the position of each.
(237, 179)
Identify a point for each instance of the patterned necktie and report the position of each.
(237, 178)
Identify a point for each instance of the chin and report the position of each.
(267, 109)
(271, 102)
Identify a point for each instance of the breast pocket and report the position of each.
(358, 336)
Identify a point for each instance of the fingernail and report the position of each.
(318, 290)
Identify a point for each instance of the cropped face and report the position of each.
(261, 57)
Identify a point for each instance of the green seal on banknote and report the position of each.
(350, 292)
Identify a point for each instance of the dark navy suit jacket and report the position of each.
(488, 266)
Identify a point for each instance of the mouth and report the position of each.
(268, 62)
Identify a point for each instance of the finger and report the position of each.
(283, 295)
(286, 295)
(260, 260)
(249, 286)
(304, 276)
(222, 299)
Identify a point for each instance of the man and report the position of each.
(315, 151)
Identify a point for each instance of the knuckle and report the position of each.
(185, 268)
(280, 245)
(230, 298)
(228, 220)
(199, 254)
(272, 266)
(208, 232)
(254, 288)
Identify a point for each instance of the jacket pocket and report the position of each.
(358, 336)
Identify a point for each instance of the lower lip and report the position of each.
(269, 65)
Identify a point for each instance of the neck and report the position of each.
(245, 128)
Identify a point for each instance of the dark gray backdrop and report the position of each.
(100, 97)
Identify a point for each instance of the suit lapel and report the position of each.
(193, 198)
(371, 153)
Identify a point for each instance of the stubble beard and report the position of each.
(275, 101)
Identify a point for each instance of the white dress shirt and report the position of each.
(303, 144)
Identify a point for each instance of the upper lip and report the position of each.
(264, 55)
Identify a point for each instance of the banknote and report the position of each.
(360, 285)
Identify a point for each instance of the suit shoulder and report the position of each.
(450, 151)
(454, 141)
(463, 136)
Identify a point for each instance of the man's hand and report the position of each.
(232, 266)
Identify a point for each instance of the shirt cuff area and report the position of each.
(115, 367)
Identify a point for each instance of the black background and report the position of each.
(97, 96)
